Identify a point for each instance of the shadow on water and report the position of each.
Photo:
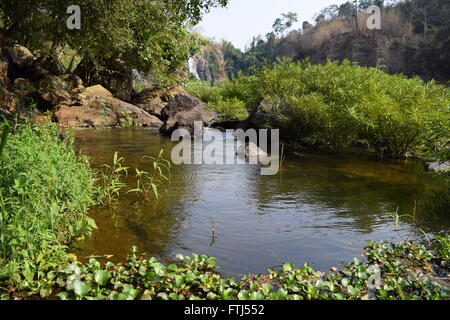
(319, 208)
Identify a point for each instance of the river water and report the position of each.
(319, 208)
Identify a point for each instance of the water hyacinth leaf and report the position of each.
(163, 296)
(101, 277)
(63, 295)
(81, 288)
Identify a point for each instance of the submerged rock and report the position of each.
(251, 150)
(438, 166)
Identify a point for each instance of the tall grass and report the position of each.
(45, 192)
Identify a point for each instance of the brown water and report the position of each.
(319, 208)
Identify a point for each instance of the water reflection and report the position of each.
(319, 208)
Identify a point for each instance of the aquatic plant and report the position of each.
(110, 180)
(406, 270)
(150, 183)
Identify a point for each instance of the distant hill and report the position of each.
(414, 39)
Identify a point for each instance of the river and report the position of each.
(319, 208)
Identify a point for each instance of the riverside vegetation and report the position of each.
(339, 105)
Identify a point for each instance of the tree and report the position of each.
(346, 10)
(306, 26)
(284, 22)
(152, 36)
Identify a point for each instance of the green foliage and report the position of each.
(336, 105)
(150, 183)
(109, 180)
(45, 192)
(4, 136)
(230, 109)
(404, 271)
(149, 35)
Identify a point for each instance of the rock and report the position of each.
(40, 119)
(54, 90)
(138, 117)
(53, 65)
(23, 86)
(60, 90)
(23, 64)
(181, 112)
(25, 55)
(94, 92)
(438, 166)
(93, 115)
(251, 150)
(230, 124)
(98, 108)
(4, 80)
(153, 100)
(262, 118)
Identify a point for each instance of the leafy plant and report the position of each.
(110, 179)
(405, 271)
(45, 192)
(149, 183)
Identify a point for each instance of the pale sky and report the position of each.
(243, 19)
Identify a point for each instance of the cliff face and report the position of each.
(379, 49)
(209, 65)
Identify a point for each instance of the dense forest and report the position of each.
(413, 40)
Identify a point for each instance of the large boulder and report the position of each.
(98, 108)
(23, 64)
(181, 112)
(92, 115)
(262, 117)
(251, 151)
(153, 100)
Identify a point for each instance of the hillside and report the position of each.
(412, 40)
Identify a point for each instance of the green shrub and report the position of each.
(45, 192)
(336, 105)
(230, 109)
(204, 91)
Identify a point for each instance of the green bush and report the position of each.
(45, 192)
(336, 105)
(204, 91)
(230, 109)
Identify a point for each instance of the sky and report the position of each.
(243, 19)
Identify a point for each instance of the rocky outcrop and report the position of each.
(378, 48)
(181, 112)
(153, 100)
